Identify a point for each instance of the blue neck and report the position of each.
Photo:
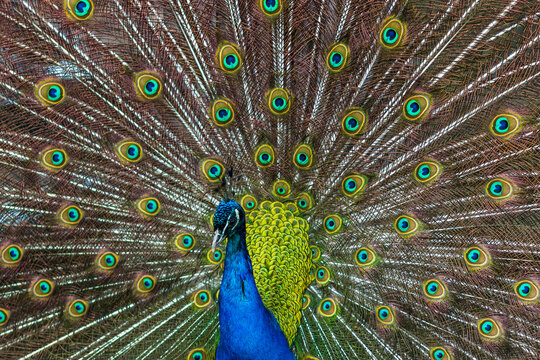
(247, 329)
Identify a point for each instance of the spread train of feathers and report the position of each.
(404, 133)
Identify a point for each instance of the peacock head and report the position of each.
(227, 218)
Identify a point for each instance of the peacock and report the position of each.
(269, 179)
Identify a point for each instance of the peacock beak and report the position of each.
(218, 237)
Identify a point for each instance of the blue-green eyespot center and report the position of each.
(223, 115)
(73, 214)
(496, 188)
(501, 125)
(524, 289)
(82, 8)
(215, 171)
(44, 287)
(363, 256)
(281, 190)
(54, 93)
(279, 103)
(133, 151)
(390, 35)
(327, 305)
(14, 253)
(350, 185)
(383, 313)
(413, 108)
(302, 158)
(432, 287)
(79, 307)
(403, 224)
(487, 326)
(439, 354)
(336, 59)
(110, 260)
(217, 255)
(148, 283)
(57, 158)
(250, 204)
(3, 316)
(197, 356)
(230, 61)
(302, 203)
(203, 297)
(151, 87)
(271, 5)
(473, 256)
(330, 224)
(321, 273)
(351, 124)
(151, 206)
(187, 241)
(265, 158)
(424, 171)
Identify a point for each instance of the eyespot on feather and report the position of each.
(427, 171)
(106, 261)
(354, 122)
(440, 353)
(281, 189)
(148, 85)
(505, 125)
(11, 254)
(202, 298)
(212, 170)
(271, 7)
(392, 33)
(222, 112)
(53, 159)
(228, 58)
(42, 288)
(278, 101)
(184, 242)
(527, 291)
(337, 57)
(354, 184)
(148, 206)
(385, 315)
(50, 92)
(304, 201)
(435, 289)
(365, 257)
(499, 189)
(4, 316)
(416, 107)
(477, 257)
(80, 10)
(489, 329)
(303, 157)
(69, 215)
(76, 308)
(264, 156)
(327, 307)
(332, 224)
(406, 225)
(145, 284)
(129, 151)
(197, 354)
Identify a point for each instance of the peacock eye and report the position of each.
(184, 242)
(129, 151)
(282, 189)
(107, 260)
(327, 307)
(427, 171)
(77, 308)
(332, 224)
(222, 112)
(303, 157)
(278, 101)
(337, 57)
(322, 275)
(271, 7)
(365, 257)
(148, 85)
(79, 9)
(201, 298)
(42, 288)
(306, 300)
(385, 315)
(353, 184)
(505, 125)
(315, 253)
(248, 203)
(416, 107)
(527, 290)
(11, 254)
(392, 33)
(499, 189)
(145, 284)
(50, 92)
(406, 225)
(212, 170)
(304, 202)
(476, 257)
(4, 316)
(228, 57)
(69, 215)
(439, 353)
(148, 206)
(489, 328)
(53, 159)
(215, 257)
(264, 156)
(197, 354)
(435, 290)
(354, 122)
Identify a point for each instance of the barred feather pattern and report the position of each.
(473, 59)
